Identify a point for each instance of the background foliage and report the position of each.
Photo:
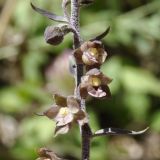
(30, 70)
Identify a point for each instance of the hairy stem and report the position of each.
(75, 10)
(85, 129)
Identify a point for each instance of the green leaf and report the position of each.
(138, 105)
(113, 69)
(155, 124)
(12, 101)
(31, 66)
(140, 81)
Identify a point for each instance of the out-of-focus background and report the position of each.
(30, 70)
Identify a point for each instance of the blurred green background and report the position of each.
(30, 70)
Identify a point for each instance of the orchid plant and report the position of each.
(89, 80)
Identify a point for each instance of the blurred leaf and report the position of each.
(36, 129)
(113, 69)
(23, 14)
(33, 92)
(155, 121)
(93, 120)
(18, 98)
(34, 133)
(138, 105)
(12, 101)
(31, 66)
(140, 81)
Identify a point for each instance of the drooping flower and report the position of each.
(91, 53)
(95, 84)
(64, 112)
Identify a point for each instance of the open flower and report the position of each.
(65, 111)
(95, 84)
(91, 53)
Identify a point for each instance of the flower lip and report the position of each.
(100, 92)
(63, 111)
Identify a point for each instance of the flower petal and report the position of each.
(106, 80)
(83, 90)
(88, 59)
(60, 100)
(81, 117)
(52, 112)
(96, 93)
(106, 89)
(102, 56)
(64, 119)
(73, 104)
(100, 92)
(61, 130)
(93, 71)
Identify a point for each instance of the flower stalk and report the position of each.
(79, 70)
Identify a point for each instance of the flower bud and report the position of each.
(53, 35)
